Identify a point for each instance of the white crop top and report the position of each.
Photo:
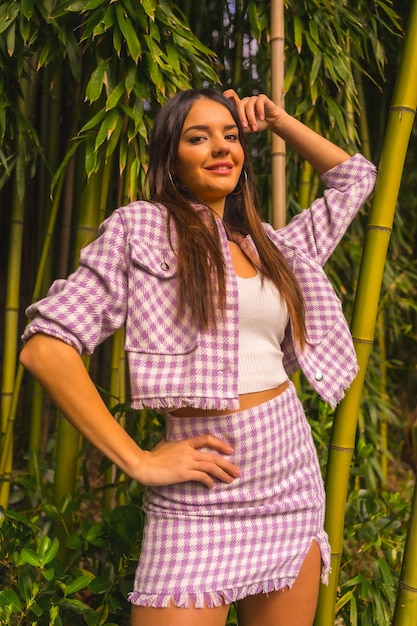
(263, 317)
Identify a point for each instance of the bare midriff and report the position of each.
(246, 401)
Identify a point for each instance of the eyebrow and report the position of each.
(205, 127)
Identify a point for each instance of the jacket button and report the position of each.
(164, 266)
(318, 376)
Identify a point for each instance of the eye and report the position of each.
(232, 137)
(196, 139)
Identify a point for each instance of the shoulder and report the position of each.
(143, 219)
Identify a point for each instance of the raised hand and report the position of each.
(256, 113)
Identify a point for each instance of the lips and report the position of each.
(220, 167)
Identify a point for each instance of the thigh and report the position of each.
(175, 616)
(289, 606)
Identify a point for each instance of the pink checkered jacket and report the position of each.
(127, 276)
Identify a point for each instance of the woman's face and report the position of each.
(210, 155)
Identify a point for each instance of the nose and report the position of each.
(220, 146)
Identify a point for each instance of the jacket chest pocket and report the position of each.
(152, 324)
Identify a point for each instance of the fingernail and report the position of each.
(244, 123)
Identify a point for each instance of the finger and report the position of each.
(202, 477)
(240, 106)
(207, 472)
(221, 464)
(226, 474)
(250, 112)
(211, 441)
(231, 93)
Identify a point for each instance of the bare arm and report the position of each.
(259, 113)
(60, 370)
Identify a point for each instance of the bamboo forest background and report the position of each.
(79, 85)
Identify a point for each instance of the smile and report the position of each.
(221, 168)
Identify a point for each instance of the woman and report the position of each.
(219, 310)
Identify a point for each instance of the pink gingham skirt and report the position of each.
(217, 546)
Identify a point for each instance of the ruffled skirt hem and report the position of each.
(210, 599)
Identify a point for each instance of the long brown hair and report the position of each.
(201, 265)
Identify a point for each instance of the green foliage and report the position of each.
(101, 545)
(121, 59)
(37, 588)
(373, 549)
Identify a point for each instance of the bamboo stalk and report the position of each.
(11, 326)
(8, 436)
(380, 328)
(304, 185)
(405, 613)
(278, 191)
(363, 119)
(68, 438)
(238, 44)
(394, 150)
(115, 398)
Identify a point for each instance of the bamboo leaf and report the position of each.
(311, 43)
(335, 115)
(92, 4)
(343, 600)
(27, 8)
(93, 121)
(137, 14)
(115, 135)
(93, 27)
(114, 97)
(149, 6)
(107, 127)
(130, 78)
(129, 33)
(122, 157)
(96, 82)
(79, 7)
(315, 67)
(254, 19)
(133, 179)
(154, 31)
(117, 40)
(173, 58)
(153, 48)
(298, 33)
(91, 160)
(155, 73)
(8, 14)
(314, 31)
(46, 53)
(290, 73)
(11, 40)
(314, 92)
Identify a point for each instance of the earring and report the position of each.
(171, 179)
